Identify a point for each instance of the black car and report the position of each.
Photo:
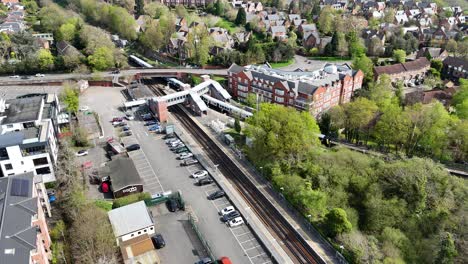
(181, 149)
(168, 136)
(216, 195)
(205, 181)
(180, 145)
(230, 216)
(133, 147)
(158, 241)
(172, 205)
(205, 261)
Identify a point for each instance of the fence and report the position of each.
(193, 221)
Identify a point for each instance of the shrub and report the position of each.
(133, 198)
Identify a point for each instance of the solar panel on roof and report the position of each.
(19, 187)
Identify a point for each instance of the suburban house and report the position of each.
(455, 68)
(279, 32)
(24, 235)
(432, 53)
(28, 136)
(407, 72)
(314, 92)
(186, 2)
(223, 41)
(133, 227)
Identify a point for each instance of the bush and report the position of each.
(105, 205)
(80, 137)
(133, 198)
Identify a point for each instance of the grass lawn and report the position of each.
(106, 205)
(330, 58)
(219, 78)
(228, 25)
(276, 65)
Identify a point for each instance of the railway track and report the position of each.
(294, 245)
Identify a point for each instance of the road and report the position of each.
(69, 76)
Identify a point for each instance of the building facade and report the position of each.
(455, 68)
(315, 92)
(24, 235)
(28, 136)
(407, 72)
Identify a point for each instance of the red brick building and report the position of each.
(314, 92)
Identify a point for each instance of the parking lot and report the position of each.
(162, 171)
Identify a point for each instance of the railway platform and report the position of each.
(305, 229)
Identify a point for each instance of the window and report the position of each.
(132, 235)
(151, 228)
(45, 170)
(40, 161)
(139, 232)
(8, 166)
(9, 126)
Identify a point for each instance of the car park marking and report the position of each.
(253, 247)
(258, 255)
(244, 234)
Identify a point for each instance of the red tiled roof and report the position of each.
(417, 64)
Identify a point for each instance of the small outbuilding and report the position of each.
(124, 177)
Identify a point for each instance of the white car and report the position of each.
(199, 174)
(40, 75)
(169, 141)
(81, 153)
(185, 155)
(129, 116)
(227, 210)
(84, 108)
(14, 76)
(236, 222)
(175, 143)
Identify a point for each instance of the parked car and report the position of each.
(227, 210)
(129, 116)
(81, 153)
(153, 128)
(15, 76)
(224, 260)
(169, 136)
(228, 217)
(120, 124)
(158, 241)
(235, 222)
(181, 149)
(172, 205)
(216, 195)
(127, 133)
(40, 75)
(133, 147)
(178, 146)
(25, 77)
(117, 119)
(185, 155)
(126, 128)
(205, 261)
(151, 123)
(84, 108)
(170, 140)
(199, 174)
(174, 142)
(205, 181)
(189, 161)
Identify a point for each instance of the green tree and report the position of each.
(67, 32)
(341, 45)
(358, 115)
(447, 251)
(241, 18)
(70, 98)
(251, 100)
(392, 127)
(381, 92)
(45, 59)
(199, 43)
(156, 10)
(237, 125)
(219, 8)
(140, 7)
(451, 46)
(337, 222)
(281, 134)
(366, 65)
(102, 59)
(326, 20)
(399, 55)
(437, 65)
(153, 37)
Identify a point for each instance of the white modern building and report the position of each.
(28, 135)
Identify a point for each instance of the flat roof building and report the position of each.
(28, 135)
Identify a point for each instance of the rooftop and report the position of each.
(17, 208)
(22, 110)
(123, 173)
(130, 218)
